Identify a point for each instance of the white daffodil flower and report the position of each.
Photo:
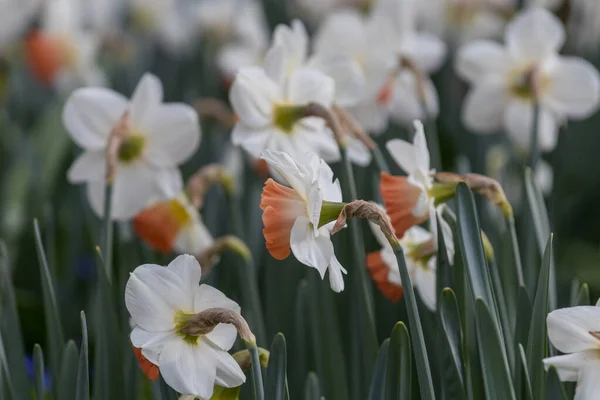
(407, 198)
(291, 214)
(420, 252)
(158, 138)
(408, 93)
(501, 76)
(270, 113)
(576, 331)
(161, 301)
(62, 52)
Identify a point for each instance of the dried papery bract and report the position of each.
(210, 257)
(205, 321)
(482, 185)
(216, 109)
(371, 212)
(116, 137)
(198, 184)
(351, 126)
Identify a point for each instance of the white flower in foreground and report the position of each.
(576, 330)
(62, 52)
(291, 214)
(407, 199)
(161, 301)
(420, 251)
(501, 96)
(158, 138)
(270, 113)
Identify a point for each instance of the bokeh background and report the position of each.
(194, 47)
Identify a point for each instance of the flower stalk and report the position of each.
(198, 184)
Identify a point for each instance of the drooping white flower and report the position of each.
(576, 331)
(269, 113)
(63, 53)
(291, 214)
(501, 94)
(161, 301)
(158, 138)
(407, 198)
(420, 251)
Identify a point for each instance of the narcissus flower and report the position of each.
(508, 80)
(162, 301)
(292, 215)
(155, 138)
(576, 330)
(420, 251)
(271, 113)
(408, 199)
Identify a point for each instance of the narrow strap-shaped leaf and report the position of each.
(521, 327)
(469, 238)
(257, 381)
(6, 376)
(541, 224)
(496, 375)
(67, 385)
(10, 328)
(452, 338)
(505, 323)
(38, 368)
(583, 297)
(443, 271)
(421, 358)
(378, 379)
(398, 374)
(55, 339)
(537, 343)
(275, 383)
(526, 393)
(83, 377)
(554, 387)
(312, 391)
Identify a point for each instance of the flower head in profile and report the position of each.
(154, 139)
(507, 81)
(271, 112)
(420, 251)
(292, 215)
(576, 331)
(163, 302)
(408, 199)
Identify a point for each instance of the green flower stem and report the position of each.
(515, 250)
(416, 330)
(108, 231)
(259, 390)
(534, 154)
(379, 159)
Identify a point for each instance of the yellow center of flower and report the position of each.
(179, 212)
(285, 116)
(68, 53)
(181, 319)
(131, 148)
(521, 83)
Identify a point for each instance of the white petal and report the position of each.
(427, 50)
(569, 328)
(275, 64)
(309, 85)
(358, 153)
(420, 146)
(588, 384)
(426, 286)
(169, 183)
(406, 105)
(569, 365)
(90, 114)
(404, 154)
(313, 251)
(229, 373)
(134, 184)
(173, 135)
(208, 297)
(153, 294)
(483, 109)
(314, 205)
(151, 343)
(294, 40)
(223, 336)
(341, 31)
(89, 166)
(187, 268)
(480, 58)
(284, 164)
(518, 118)
(346, 73)
(194, 238)
(336, 279)
(534, 34)
(371, 116)
(252, 96)
(574, 88)
(189, 369)
(252, 140)
(146, 98)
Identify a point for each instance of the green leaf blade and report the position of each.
(276, 381)
(398, 375)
